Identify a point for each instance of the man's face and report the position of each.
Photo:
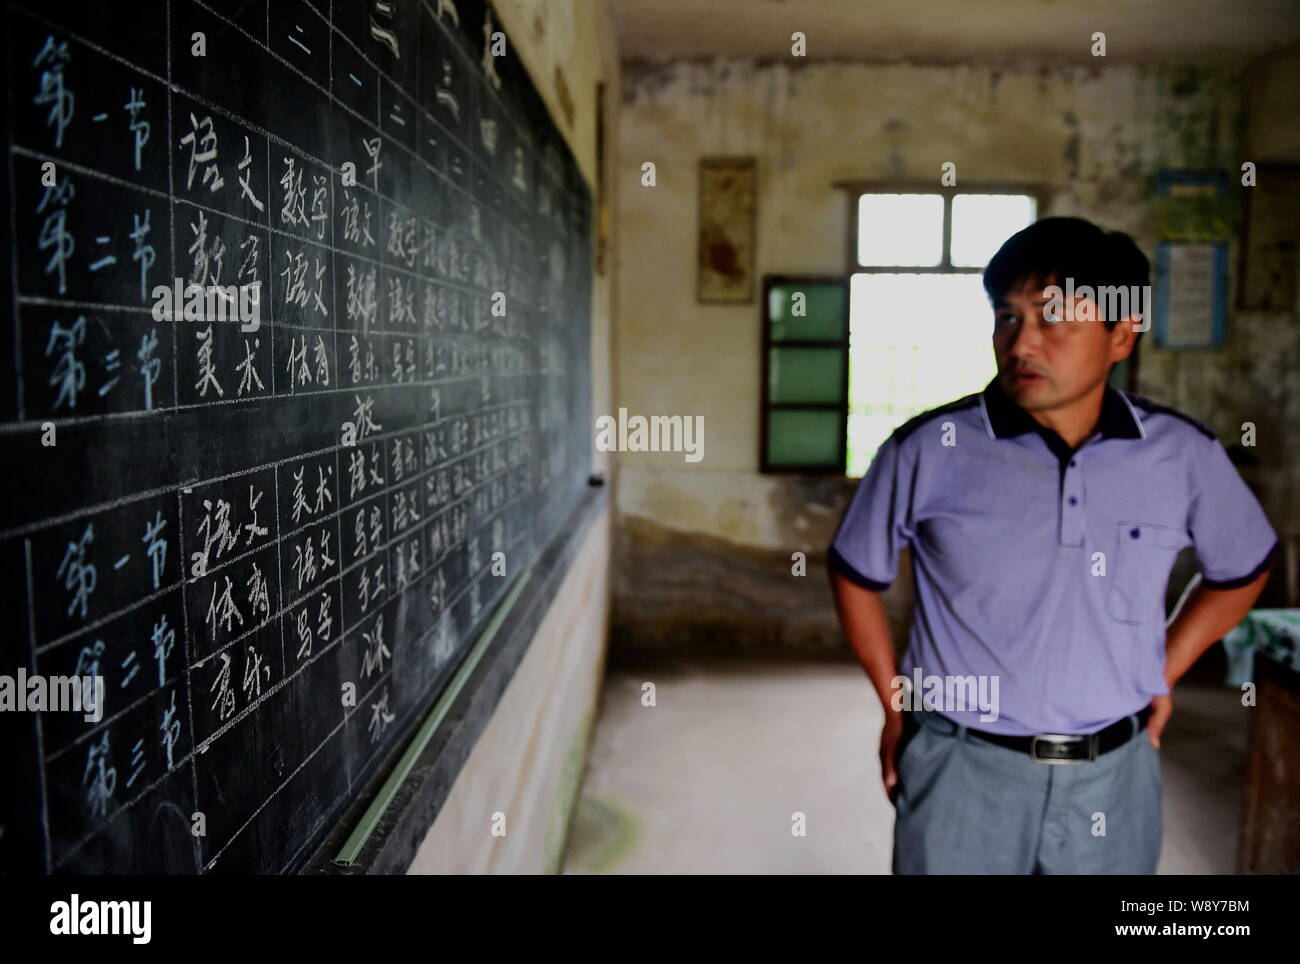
(1046, 364)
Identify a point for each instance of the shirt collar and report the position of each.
(1006, 419)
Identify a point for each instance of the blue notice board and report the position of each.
(1194, 224)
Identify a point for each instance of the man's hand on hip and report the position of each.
(1161, 708)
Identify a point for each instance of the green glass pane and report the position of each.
(806, 374)
(807, 311)
(803, 437)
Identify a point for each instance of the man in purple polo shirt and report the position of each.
(1043, 514)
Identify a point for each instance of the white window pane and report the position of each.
(900, 229)
(981, 222)
(915, 342)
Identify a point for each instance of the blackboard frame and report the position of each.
(391, 846)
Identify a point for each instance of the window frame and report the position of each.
(767, 406)
(1124, 372)
(1124, 375)
(853, 188)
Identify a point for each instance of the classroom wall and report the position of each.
(528, 762)
(1268, 345)
(1271, 131)
(704, 549)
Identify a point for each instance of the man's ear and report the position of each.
(1123, 337)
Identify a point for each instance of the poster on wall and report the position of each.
(726, 250)
(1191, 290)
(1194, 218)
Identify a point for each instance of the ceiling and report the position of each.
(1209, 32)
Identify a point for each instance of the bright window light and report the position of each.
(900, 229)
(982, 222)
(916, 341)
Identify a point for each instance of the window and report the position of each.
(805, 374)
(919, 322)
(846, 360)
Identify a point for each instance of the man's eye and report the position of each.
(1003, 319)
(1051, 315)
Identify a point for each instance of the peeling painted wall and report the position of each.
(1094, 136)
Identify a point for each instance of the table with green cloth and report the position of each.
(1274, 632)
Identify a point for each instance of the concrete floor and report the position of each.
(709, 778)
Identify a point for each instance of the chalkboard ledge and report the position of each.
(391, 845)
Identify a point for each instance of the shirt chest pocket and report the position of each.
(1142, 555)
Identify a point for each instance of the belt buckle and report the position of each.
(1058, 739)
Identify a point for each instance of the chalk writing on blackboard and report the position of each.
(306, 307)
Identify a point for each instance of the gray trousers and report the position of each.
(964, 806)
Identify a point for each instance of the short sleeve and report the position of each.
(876, 524)
(1233, 539)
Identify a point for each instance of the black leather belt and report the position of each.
(1071, 748)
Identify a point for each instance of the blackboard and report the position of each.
(233, 520)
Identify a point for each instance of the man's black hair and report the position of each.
(1053, 249)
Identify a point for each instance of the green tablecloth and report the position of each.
(1273, 632)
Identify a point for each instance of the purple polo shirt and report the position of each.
(1044, 567)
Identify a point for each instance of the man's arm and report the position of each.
(1203, 617)
(866, 624)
